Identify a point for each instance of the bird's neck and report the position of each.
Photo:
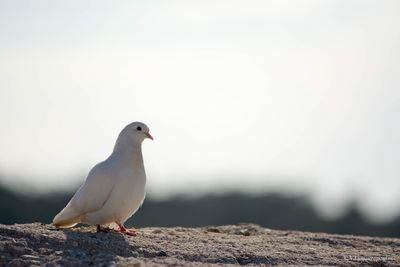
(128, 150)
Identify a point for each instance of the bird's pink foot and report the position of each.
(125, 231)
(131, 232)
(100, 229)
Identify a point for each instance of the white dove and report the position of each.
(114, 189)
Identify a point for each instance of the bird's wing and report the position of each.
(97, 188)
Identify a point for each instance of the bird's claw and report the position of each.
(130, 232)
(121, 230)
(125, 231)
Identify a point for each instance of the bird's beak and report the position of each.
(148, 135)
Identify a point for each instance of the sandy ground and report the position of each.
(246, 244)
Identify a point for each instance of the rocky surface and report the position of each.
(246, 244)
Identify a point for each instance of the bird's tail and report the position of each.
(67, 218)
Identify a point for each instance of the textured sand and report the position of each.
(246, 244)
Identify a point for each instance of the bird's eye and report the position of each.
(139, 128)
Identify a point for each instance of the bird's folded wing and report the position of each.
(93, 194)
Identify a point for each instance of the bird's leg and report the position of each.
(123, 230)
(100, 229)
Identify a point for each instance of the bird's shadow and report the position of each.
(84, 246)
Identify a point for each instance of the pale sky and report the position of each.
(299, 96)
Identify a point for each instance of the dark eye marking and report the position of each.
(139, 128)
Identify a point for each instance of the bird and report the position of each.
(114, 188)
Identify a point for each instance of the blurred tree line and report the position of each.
(273, 211)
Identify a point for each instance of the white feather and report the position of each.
(115, 188)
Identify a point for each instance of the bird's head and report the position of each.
(137, 131)
(133, 133)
